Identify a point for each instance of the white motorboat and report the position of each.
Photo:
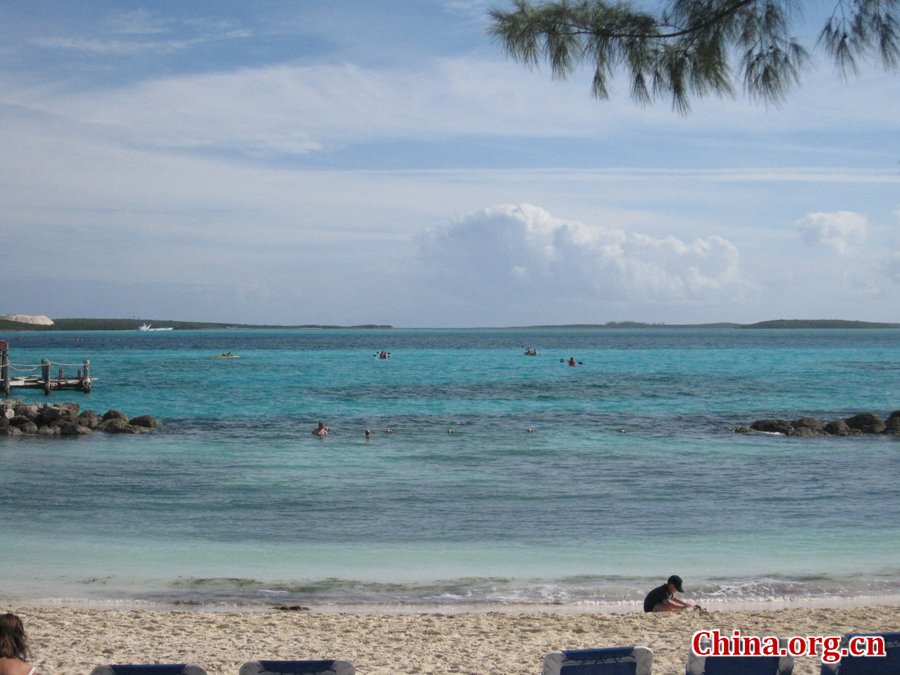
(146, 327)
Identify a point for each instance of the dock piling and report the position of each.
(45, 375)
(85, 379)
(4, 369)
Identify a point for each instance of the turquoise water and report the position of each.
(234, 501)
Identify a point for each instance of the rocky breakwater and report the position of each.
(66, 419)
(858, 425)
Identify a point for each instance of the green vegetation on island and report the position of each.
(819, 323)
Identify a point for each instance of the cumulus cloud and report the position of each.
(841, 231)
(514, 250)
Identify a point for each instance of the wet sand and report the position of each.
(67, 641)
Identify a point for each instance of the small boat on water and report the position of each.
(226, 355)
(146, 327)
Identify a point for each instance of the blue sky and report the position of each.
(301, 162)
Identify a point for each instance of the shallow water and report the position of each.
(234, 500)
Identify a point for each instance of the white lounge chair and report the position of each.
(740, 665)
(297, 668)
(151, 669)
(889, 664)
(611, 661)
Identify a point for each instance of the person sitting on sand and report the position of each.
(13, 647)
(320, 430)
(662, 598)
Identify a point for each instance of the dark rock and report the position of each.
(51, 414)
(70, 429)
(772, 426)
(112, 425)
(89, 419)
(809, 423)
(892, 424)
(71, 406)
(29, 411)
(144, 421)
(115, 415)
(64, 419)
(808, 431)
(866, 423)
(54, 416)
(120, 426)
(837, 428)
(808, 426)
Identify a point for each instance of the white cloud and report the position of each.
(523, 251)
(841, 231)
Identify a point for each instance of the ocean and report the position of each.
(631, 473)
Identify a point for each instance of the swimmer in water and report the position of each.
(320, 430)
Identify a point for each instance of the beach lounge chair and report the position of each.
(868, 665)
(154, 669)
(613, 661)
(741, 665)
(297, 668)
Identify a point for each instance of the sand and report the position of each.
(68, 641)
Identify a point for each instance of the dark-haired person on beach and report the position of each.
(13, 647)
(320, 430)
(662, 598)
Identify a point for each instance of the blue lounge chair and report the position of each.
(154, 669)
(297, 668)
(740, 665)
(614, 661)
(868, 665)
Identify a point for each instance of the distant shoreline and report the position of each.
(132, 325)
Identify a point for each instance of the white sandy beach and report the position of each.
(69, 641)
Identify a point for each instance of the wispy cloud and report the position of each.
(140, 32)
(138, 22)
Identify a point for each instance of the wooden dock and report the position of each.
(81, 381)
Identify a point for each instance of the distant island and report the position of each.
(779, 323)
(822, 323)
(133, 324)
